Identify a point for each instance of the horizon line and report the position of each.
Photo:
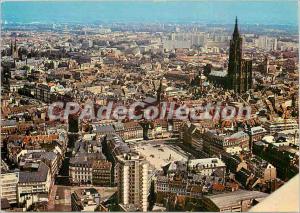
(3, 1)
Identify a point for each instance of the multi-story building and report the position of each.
(177, 126)
(190, 130)
(15, 85)
(130, 131)
(216, 143)
(51, 159)
(85, 200)
(42, 92)
(177, 184)
(9, 182)
(280, 124)
(185, 40)
(192, 134)
(86, 152)
(133, 181)
(266, 43)
(101, 173)
(36, 181)
(80, 171)
(158, 129)
(207, 166)
(183, 182)
(113, 147)
(257, 133)
(8, 127)
(80, 168)
(103, 129)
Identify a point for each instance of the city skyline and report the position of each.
(133, 106)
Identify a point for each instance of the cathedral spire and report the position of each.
(11, 47)
(236, 29)
(159, 91)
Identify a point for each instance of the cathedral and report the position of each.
(239, 75)
(14, 49)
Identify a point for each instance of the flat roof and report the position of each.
(159, 154)
(206, 161)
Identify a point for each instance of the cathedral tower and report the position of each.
(239, 76)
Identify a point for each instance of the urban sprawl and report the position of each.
(62, 151)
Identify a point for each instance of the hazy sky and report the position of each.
(213, 11)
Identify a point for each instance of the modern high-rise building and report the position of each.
(133, 182)
(185, 40)
(8, 189)
(266, 43)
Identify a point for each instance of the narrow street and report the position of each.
(63, 174)
(51, 202)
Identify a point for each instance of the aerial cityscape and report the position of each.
(136, 106)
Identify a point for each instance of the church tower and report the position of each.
(159, 92)
(235, 59)
(14, 48)
(239, 76)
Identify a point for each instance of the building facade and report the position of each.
(215, 143)
(9, 182)
(80, 171)
(133, 181)
(101, 173)
(280, 124)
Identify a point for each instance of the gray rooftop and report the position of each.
(104, 129)
(232, 198)
(39, 176)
